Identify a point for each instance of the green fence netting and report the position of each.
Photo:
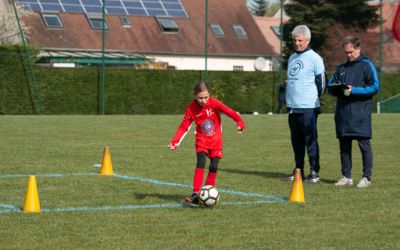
(390, 105)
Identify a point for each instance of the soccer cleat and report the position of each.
(344, 181)
(364, 182)
(192, 199)
(312, 178)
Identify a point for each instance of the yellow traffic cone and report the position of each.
(32, 204)
(106, 166)
(297, 194)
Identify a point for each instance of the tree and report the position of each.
(356, 14)
(272, 9)
(319, 15)
(259, 7)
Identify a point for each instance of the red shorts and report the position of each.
(210, 153)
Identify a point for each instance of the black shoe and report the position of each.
(312, 178)
(193, 199)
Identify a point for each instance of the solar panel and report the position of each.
(73, 8)
(165, 8)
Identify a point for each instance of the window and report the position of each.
(52, 20)
(97, 24)
(237, 68)
(276, 30)
(125, 21)
(167, 24)
(217, 30)
(239, 30)
(96, 21)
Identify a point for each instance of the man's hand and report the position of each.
(347, 91)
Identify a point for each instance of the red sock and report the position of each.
(211, 178)
(198, 179)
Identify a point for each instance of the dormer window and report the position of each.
(276, 30)
(217, 30)
(125, 22)
(52, 20)
(239, 30)
(96, 21)
(167, 24)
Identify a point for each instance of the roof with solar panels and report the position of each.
(168, 8)
(145, 26)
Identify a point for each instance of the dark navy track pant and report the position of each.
(345, 155)
(303, 133)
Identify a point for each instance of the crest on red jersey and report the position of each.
(207, 127)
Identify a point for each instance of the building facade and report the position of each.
(173, 37)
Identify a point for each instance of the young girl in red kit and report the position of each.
(205, 112)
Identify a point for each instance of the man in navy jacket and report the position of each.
(354, 83)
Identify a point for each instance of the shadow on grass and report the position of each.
(327, 181)
(256, 173)
(168, 197)
(274, 175)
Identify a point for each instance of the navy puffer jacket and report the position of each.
(353, 113)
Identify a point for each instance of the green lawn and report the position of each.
(139, 207)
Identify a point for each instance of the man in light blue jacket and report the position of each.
(306, 82)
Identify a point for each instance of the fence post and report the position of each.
(378, 108)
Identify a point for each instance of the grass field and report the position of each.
(139, 207)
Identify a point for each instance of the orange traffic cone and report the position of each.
(297, 194)
(106, 166)
(32, 204)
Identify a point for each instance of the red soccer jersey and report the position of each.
(208, 123)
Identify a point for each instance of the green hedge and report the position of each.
(15, 87)
(129, 91)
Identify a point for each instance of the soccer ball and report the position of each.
(209, 196)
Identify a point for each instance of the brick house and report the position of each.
(175, 40)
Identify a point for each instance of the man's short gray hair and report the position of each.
(302, 30)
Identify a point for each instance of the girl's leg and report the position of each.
(212, 171)
(199, 171)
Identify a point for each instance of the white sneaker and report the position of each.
(344, 181)
(364, 182)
